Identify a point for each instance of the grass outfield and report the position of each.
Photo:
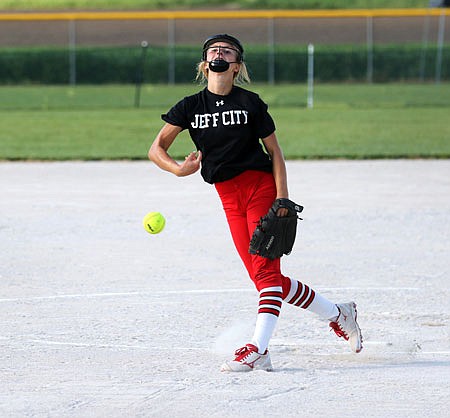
(348, 121)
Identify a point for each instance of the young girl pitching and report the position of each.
(238, 152)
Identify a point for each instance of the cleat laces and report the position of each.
(338, 330)
(247, 359)
(243, 352)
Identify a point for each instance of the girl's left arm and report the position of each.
(279, 166)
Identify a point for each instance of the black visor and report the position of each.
(224, 38)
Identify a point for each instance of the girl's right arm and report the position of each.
(159, 155)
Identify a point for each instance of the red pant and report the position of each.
(245, 199)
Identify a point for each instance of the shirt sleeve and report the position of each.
(177, 115)
(265, 125)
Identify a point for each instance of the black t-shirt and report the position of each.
(227, 130)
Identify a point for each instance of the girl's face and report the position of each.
(222, 50)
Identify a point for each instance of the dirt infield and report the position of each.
(99, 318)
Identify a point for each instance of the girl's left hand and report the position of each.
(281, 212)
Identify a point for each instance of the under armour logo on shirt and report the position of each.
(219, 103)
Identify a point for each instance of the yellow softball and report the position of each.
(154, 222)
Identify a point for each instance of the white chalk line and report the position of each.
(383, 344)
(399, 353)
(182, 292)
(122, 294)
(115, 346)
(23, 342)
(181, 348)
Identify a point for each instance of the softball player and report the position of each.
(227, 125)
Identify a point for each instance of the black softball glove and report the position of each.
(275, 235)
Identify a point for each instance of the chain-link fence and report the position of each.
(373, 44)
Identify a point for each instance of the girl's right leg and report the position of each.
(236, 196)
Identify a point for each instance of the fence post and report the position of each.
(72, 53)
(310, 102)
(140, 74)
(369, 28)
(270, 51)
(440, 44)
(171, 45)
(423, 53)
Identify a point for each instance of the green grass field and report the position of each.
(172, 4)
(347, 121)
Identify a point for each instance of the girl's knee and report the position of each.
(264, 279)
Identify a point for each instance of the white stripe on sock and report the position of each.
(292, 290)
(271, 289)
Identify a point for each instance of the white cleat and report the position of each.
(346, 326)
(248, 359)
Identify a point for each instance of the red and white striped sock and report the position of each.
(303, 296)
(270, 301)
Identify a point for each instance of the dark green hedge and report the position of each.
(122, 65)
